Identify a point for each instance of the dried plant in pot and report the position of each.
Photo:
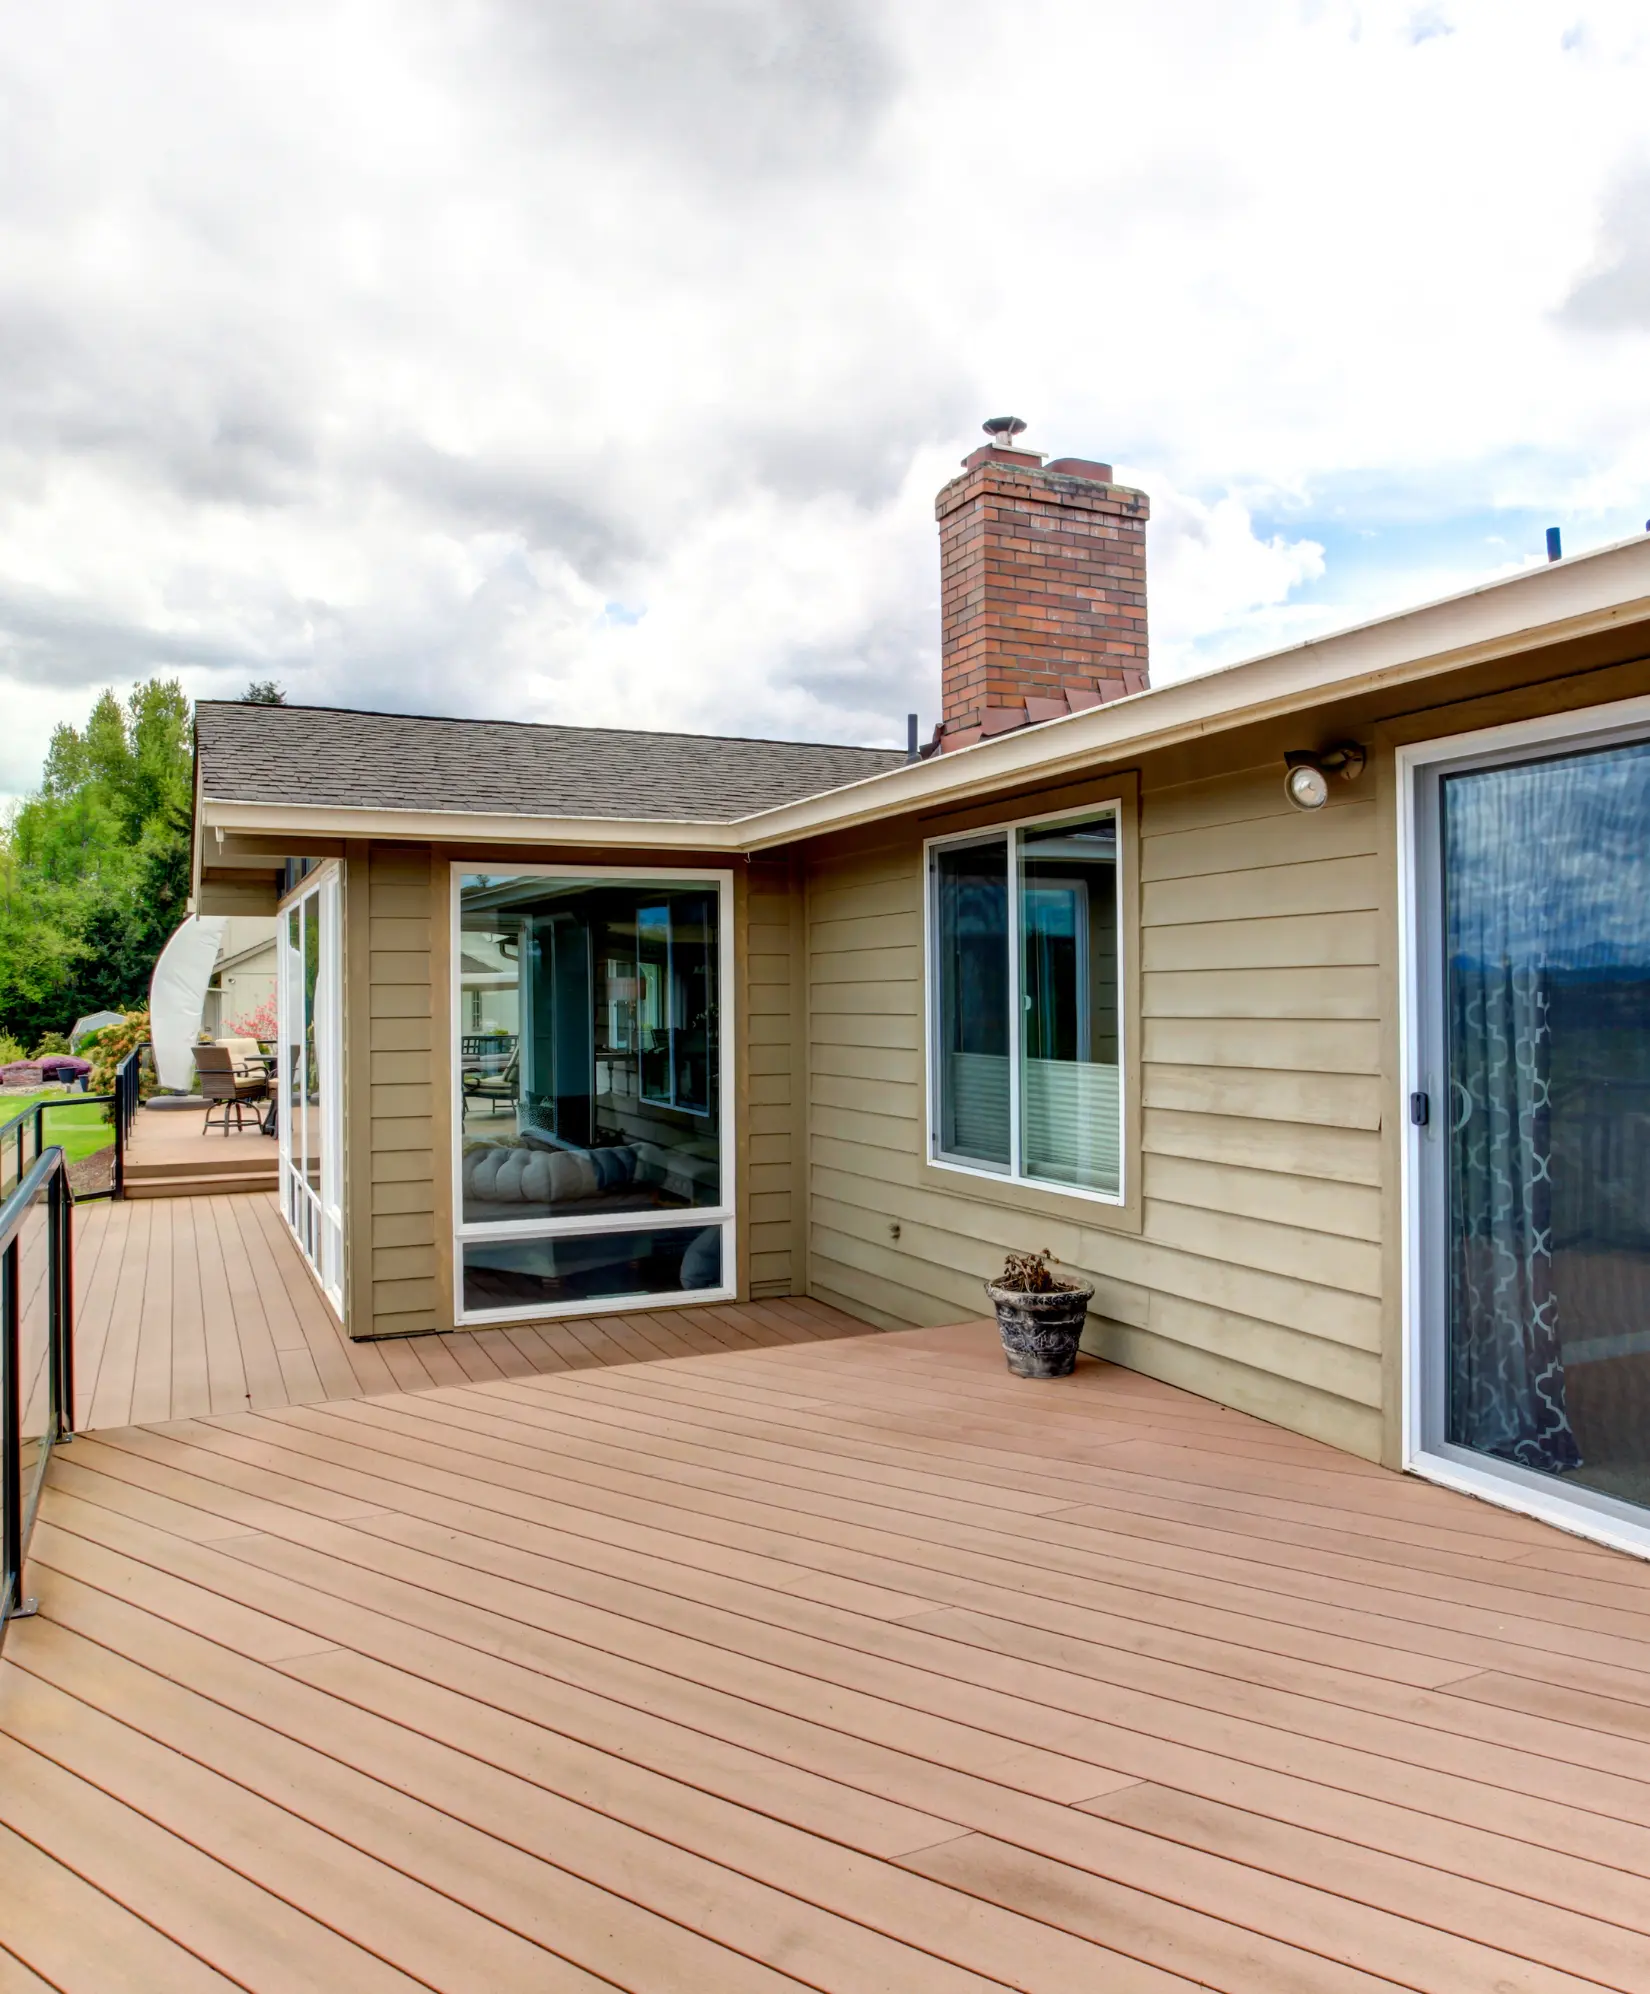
(1040, 1316)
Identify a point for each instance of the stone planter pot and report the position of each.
(1040, 1332)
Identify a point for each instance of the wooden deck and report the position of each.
(191, 1306)
(171, 1154)
(850, 1665)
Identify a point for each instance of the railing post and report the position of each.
(61, 1241)
(119, 1186)
(12, 1604)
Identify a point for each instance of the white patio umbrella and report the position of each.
(177, 996)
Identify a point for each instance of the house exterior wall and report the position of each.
(1250, 1267)
(398, 1101)
(1264, 1267)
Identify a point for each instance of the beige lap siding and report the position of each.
(769, 1013)
(1255, 1277)
(400, 1234)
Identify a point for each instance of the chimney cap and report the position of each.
(1003, 429)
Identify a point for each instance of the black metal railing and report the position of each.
(23, 1137)
(36, 1384)
(128, 1077)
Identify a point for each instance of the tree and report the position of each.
(94, 867)
(264, 692)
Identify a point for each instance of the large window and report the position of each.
(309, 1089)
(594, 1164)
(1025, 1023)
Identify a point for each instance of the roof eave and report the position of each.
(299, 821)
(1542, 606)
(1531, 611)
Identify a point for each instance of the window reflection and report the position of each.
(589, 1048)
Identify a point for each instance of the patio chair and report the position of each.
(222, 1087)
(498, 1088)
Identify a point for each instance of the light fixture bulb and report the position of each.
(1306, 787)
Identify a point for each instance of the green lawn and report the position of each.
(78, 1125)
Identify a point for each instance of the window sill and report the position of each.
(1100, 1210)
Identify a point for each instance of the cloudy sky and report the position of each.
(599, 362)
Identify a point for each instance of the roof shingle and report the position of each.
(335, 758)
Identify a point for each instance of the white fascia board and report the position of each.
(1549, 604)
(296, 820)
(1559, 601)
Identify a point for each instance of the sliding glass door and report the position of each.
(1531, 1120)
(594, 1163)
(309, 1078)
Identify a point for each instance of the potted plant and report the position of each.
(1040, 1316)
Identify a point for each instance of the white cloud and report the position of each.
(549, 360)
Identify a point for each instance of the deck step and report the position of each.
(198, 1185)
(145, 1163)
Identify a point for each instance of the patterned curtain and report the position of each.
(1507, 1365)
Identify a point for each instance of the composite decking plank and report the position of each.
(284, 1271)
(738, 1387)
(117, 1348)
(690, 1400)
(1092, 1684)
(380, 1870)
(267, 1381)
(542, 1356)
(82, 1940)
(897, 1571)
(659, 1337)
(152, 1369)
(226, 1364)
(471, 1357)
(1138, 1624)
(244, 1931)
(191, 1375)
(304, 1591)
(818, 1538)
(1309, 1718)
(1426, 1572)
(509, 1360)
(159, 1750)
(1551, 1930)
(439, 1361)
(407, 1369)
(698, 1893)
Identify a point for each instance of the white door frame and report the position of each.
(1582, 1511)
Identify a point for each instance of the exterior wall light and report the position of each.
(1306, 775)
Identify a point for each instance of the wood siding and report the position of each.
(395, 1239)
(1255, 1274)
(765, 952)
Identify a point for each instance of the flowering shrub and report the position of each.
(260, 1024)
(108, 1047)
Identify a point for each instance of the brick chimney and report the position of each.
(1042, 589)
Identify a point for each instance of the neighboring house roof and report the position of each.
(334, 758)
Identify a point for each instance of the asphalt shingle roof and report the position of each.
(334, 758)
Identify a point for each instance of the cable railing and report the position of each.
(36, 1356)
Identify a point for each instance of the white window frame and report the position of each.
(1422, 1190)
(320, 896)
(696, 1217)
(981, 834)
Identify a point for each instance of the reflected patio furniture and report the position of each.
(222, 1087)
(498, 1089)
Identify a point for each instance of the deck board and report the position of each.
(200, 1305)
(739, 1648)
(848, 1663)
